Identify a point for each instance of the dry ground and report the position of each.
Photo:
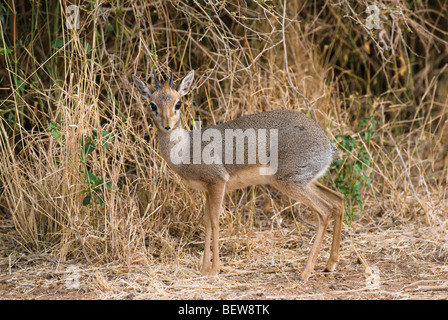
(380, 259)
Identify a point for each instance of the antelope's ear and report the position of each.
(186, 83)
(142, 87)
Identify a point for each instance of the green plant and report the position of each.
(95, 184)
(352, 173)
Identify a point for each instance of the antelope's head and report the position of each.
(164, 100)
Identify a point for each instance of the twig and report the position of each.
(308, 103)
(304, 221)
(408, 178)
(433, 288)
(380, 49)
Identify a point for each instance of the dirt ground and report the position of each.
(378, 261)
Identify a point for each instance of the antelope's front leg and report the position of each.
(215, 195)
(208, 233)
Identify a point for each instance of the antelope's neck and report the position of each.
(169, 142)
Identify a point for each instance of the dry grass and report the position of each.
(143, 239)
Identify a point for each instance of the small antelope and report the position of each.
(302, 153)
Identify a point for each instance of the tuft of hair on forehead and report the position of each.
(166, 85)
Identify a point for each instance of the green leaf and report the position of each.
(89, 147)
(59, 43)
(53, 125)
(88, 47)
(56, 134)
(346, 141)
(10, 117)
(108, 137)
(93, 179)
(107, 134)
(367, 180)
(337, 162)
(108, 27)
(362, 123)
(356, 186)
(109, 184)
(6, 50)
(100, 200)
(86, 200)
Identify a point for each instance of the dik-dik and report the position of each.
(296, 153)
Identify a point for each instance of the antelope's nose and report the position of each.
(167, 128)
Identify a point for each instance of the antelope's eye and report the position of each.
(177, 106)
(153, 107)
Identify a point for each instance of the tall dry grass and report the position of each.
(57, 85)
